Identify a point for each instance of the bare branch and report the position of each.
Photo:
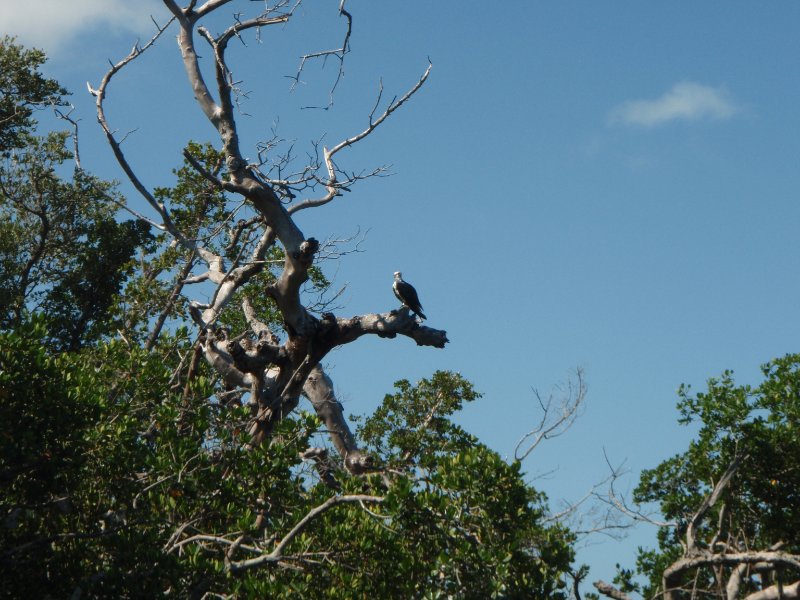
(278, 553)
(711, 499)
(338, 53)
(388, 325)
(256, 359)
(591, 515)
(170, 303)
(210, 6)
(332, 184)
(673, 574)
(263, 21)
(202, 537)
(231, 280)
(619, 503)
(186, 20)
(553, 424)
(124, 206)
(100, 94)
(776, 592)
(260, 328)
(67, 116)
(323, 465)
(224, 364)
(205, 173)
(393, 106)
(735, 581)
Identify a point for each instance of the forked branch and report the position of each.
(555, 420)
(338, 53)
(332, 185)
(278, 553)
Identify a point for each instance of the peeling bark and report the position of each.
(318, 389)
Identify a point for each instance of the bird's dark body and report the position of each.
(406, 293)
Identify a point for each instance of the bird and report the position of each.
(406, 293)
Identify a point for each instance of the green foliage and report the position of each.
(624, 579)
(412, 427)
(78, 304)
(23, 89)
(464, 519)
(61, 249)
(125, 464)
(197, 206)
(42, 419)
(762, 502)
(101, 481)
(71, 452)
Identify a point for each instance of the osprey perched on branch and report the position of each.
(406, 293)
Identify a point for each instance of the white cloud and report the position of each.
(685, 101)
(51, 24)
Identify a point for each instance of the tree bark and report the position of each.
(775, 592)
(609, 590)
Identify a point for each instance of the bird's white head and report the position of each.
(398, 275)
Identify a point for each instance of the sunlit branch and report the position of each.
(710, 500)
(67, 116)
(619, 502)
(332, 183)
(278, 552)
(100, 94)
(552, 425)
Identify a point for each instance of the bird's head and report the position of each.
(398, 275)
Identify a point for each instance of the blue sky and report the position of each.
(611, 186)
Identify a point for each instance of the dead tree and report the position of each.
(275, 373)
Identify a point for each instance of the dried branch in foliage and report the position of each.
(589, 515)
(150, 373)
(729, 503)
